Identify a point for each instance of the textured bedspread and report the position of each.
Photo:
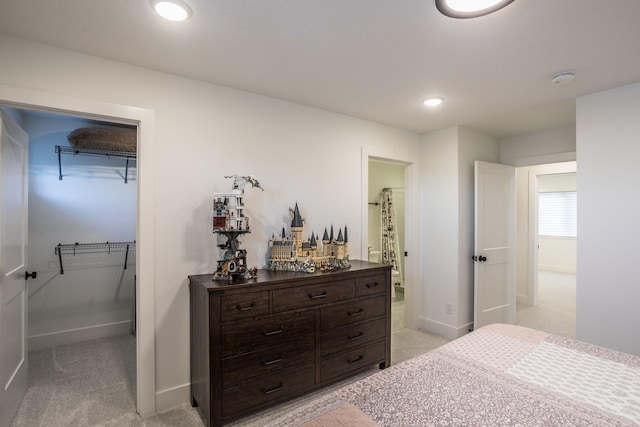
(499, 375)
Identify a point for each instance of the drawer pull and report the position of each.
(355, 313)
(357, 359)
(273, 362)
(272, 390)
(372, 285)
(249, 307)
(276, 332)
(320, 295)
(355, 337)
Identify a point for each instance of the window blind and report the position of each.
(557, 213)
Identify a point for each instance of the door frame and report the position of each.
(413, 292)
(532, 264)
(144, 119)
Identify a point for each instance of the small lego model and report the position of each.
(292, 253)
(230, 221)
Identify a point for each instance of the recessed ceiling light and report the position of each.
(173, 10)
(469, 8)
(433, 102)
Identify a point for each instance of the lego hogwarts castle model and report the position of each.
(230, 221)
(292, 253)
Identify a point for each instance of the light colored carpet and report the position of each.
(556, 309)
(92, 383)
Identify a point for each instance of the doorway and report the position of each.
(386, 228)
(144, 119)
(81, 305)
(547, 234)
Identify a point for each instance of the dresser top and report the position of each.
(357, 268)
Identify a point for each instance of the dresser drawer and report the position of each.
(369, 285)
(245, 305)
(245, 336)
(294, 353)
(267, 388)
(352, 312)
(352, 335)
(351, 360)
(311, 295)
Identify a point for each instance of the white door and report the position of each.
(494, 250)
(13, 254)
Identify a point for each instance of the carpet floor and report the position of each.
(556, 309)
(92, 383)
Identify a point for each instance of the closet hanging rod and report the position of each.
(94, 248)
(127, 155)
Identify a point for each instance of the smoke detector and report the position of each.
(562, 77)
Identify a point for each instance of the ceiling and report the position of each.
(373, 59)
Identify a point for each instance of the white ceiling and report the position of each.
(374, 59)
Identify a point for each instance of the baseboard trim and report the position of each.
(522, 299)
(444, 330)
(172, 397)
(558, 269)
(52, 339)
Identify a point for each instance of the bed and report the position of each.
(499, 375)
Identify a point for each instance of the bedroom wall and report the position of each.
(447, 238)
(91, 204)
(536, 148)
(203, 132)
(608, 210)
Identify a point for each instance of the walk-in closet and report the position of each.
(81, 303)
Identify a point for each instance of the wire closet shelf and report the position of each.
(94, 248)
(127, 155)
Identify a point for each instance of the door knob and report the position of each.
(32, 275)
(482, 258)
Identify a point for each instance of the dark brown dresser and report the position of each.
(273, 338)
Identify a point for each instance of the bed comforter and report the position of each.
(499, 375)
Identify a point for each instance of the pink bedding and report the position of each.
(499, 375)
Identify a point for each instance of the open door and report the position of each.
(494, 249)
(13, 256)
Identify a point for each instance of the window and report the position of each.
(557, 212)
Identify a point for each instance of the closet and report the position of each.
(80, 306)
(82, 211)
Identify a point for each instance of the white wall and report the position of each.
(91, 204)
(202, 133)
(440, 233)
(447, 235)
(550, 146)
(608, 290)
(557, 254)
